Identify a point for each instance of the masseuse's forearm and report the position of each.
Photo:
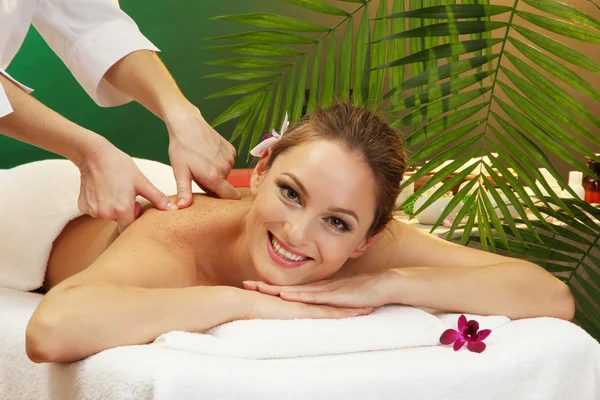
(34, 123)
(516, 290)
(142, 76)
(77, 322)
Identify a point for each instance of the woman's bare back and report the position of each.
(79, 244)
(85, 238)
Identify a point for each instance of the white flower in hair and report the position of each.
(269, 141)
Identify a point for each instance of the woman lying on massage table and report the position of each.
(321, 209)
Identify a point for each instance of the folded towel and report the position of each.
(531, 359)
(389, 327)
(38, 200)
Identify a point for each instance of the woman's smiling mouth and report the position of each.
(283, 255)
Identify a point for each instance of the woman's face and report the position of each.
(312, 211)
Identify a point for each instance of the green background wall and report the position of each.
(177, 28)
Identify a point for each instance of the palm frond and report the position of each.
(293, 50)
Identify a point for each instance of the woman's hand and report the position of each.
(263, 306)
(368, 290)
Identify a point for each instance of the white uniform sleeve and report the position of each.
(90, 36)
(5, 107)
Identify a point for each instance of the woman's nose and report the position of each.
(297, 231)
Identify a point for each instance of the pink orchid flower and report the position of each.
(468, 332)
(263, 146)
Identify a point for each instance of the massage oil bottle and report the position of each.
(591, 184)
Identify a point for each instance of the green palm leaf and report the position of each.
(447, 29)
(243, 75)
(361, 57)
(378, 56)
(565, 11)
(249, 62)
(453, 11)
(314, 81)
(558, 49)
(318, 5)
(397, 50)
(442, 72)
(240, 89)
(561, 27)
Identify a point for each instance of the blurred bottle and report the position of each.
(576, 183)
(591, 184)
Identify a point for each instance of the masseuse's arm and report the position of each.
(197, 152)
(34, 123)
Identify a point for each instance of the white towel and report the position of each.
(38, 199)
(531, 359)
(390, 327)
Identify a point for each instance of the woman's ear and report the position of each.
(363, 247)
(258, 172)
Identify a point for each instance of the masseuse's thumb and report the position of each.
(126, 216)
(148, 191)
(184, 188)
(224, 189)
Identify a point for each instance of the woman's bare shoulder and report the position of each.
(205, 215)
(179, 233)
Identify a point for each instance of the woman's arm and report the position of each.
(516, 289)
(407, 266)
(435, 273)
(139, 288)
(78, 322)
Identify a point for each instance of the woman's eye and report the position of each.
(338, 224)
(291, 194)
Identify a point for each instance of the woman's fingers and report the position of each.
(336, 312)
(250, 285)
(275, 289)
(316, 297)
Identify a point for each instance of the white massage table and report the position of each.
(545, 359)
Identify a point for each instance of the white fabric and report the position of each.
(533, 359)
(38, 200)
(88, 35)
(5, 107)
(391, 327)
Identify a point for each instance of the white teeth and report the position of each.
(284, 253)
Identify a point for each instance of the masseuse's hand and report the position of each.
(263, 306)
(110, 182)
(368, 290)
(197, 152)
